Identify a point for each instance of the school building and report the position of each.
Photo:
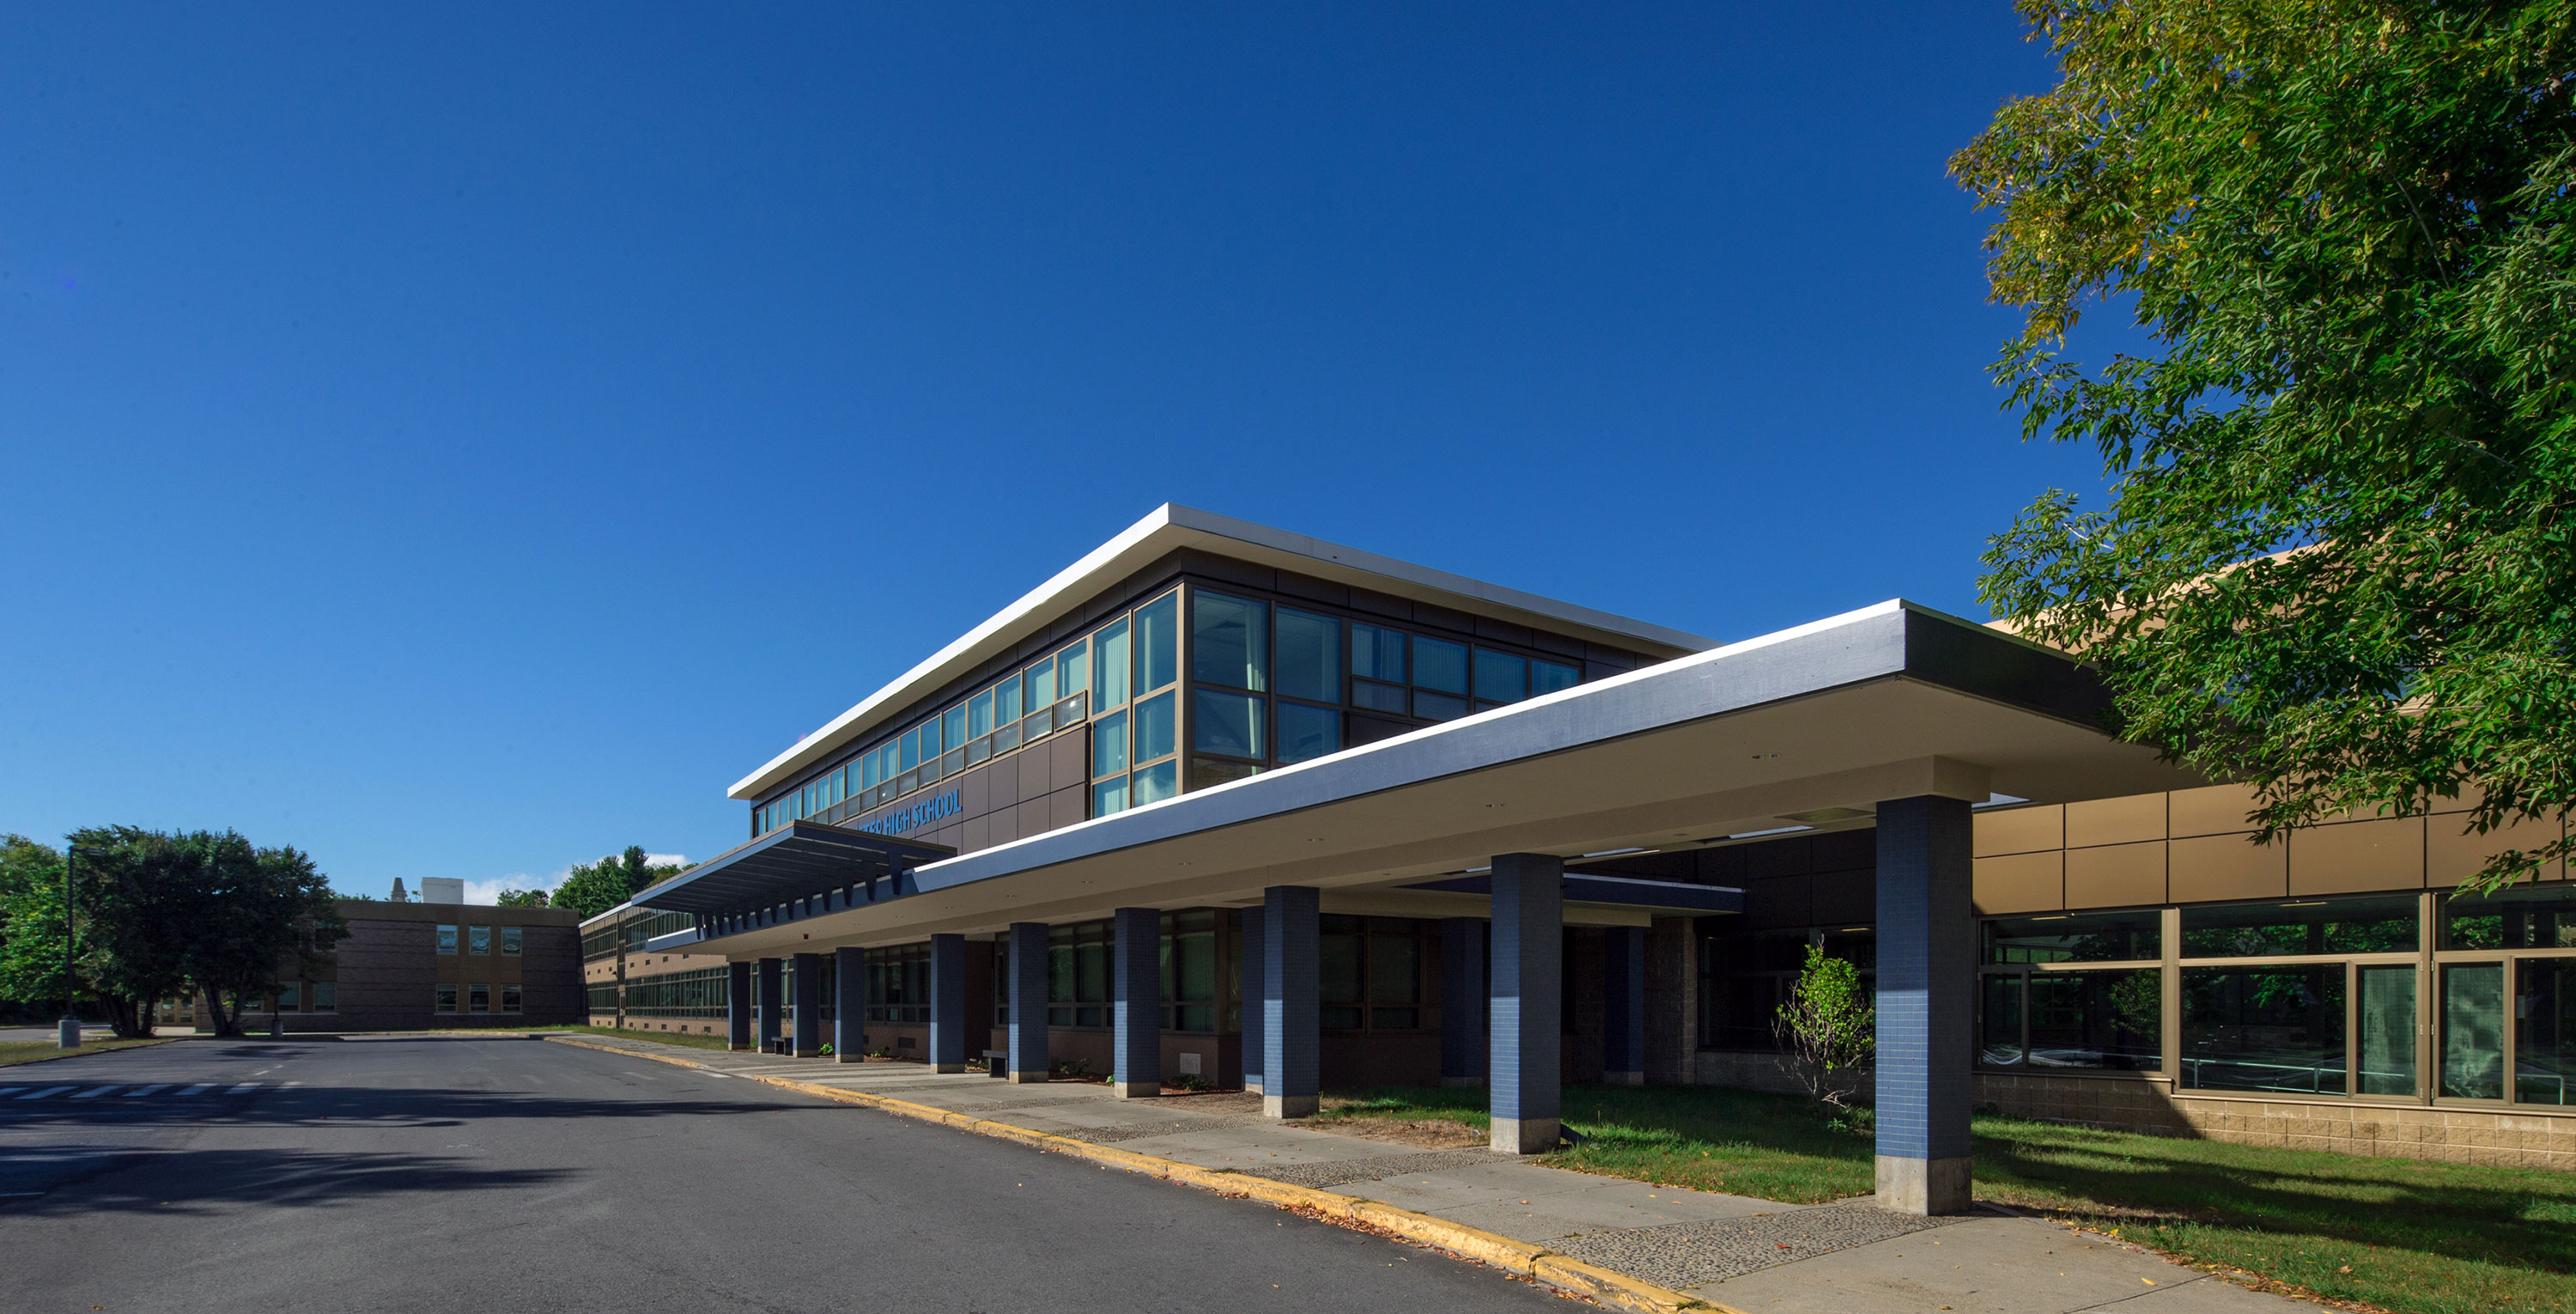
(1222, 804)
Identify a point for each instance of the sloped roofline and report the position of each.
(1166, 529)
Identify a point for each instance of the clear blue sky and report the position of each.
(459, 441)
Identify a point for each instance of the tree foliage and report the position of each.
(157, 915)
(2336, 563)
(592, 888)
(1827, 1028)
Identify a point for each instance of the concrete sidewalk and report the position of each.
(1728, 1250)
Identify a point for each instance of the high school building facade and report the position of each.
(1223, 804)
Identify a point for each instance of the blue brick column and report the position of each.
(1462, 1001)
(849, 1005)
(738, 1005)
(1250, 955)
(1529, 974)
(1927, 975)
(1028, 1047)
(1136, 994)
(1292, 1035)
(808, 1014)
(773, 998)
(948, 1003)
(1623, 1006)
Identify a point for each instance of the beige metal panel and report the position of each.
(2019, 830)
(2115, 820)
(2452, 853)
(2216, 867)
(2354, 856)
(2216, 810)
(2116, 875)
(2021, 882)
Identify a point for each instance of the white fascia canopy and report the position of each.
(1170, 528)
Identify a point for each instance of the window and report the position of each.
(1501, 677)
(1109, 764)
(2277, 1028)
(2525, 917)
(2473, 1030)
(1078, 975)
(1547, 677)
(2375, 924)
(2076, 938)
(1377, 668)
(1308, 732)
(509, 999)
(1310, 656)
(1190, 971)
(478, 999)
(510, 941)
(2387, 1030)
(446, 998)
(1157, 728)
(898, 984)
(1229, 641)
(1438, 707)
(1228, 723)
(1370, 973)
(1109, 666)
(2544, 1011)
(2100, 1020)
(1158, 643)
(290, 997)
(478, 939)
(1440, 664)
(326, 996)
(447, 939)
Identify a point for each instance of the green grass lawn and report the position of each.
(2423, 1238)
(33, 1051)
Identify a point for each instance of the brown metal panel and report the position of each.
(2452, 854)
(1064, 808)
(1847, 898)
(2353, 856)
(2021, 882)
(977, 834)
(975, 791)
(2116, 875)
(2211, 867)
(1071, 765)
(2217, 810)
(2115, 820)
(2019, 830)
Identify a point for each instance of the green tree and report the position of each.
(592, 888)
(1827, 1028)
(252, 915)
(521, 899)
(2336, 558)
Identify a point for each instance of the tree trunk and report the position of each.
(227, 1022)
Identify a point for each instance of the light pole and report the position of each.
(69, 1035)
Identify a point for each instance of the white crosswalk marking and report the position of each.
(146, 1090)
(93, 1092)
(40, 1094)
(244, 1088)
(199, 1089)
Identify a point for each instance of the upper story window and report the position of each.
(447, 939)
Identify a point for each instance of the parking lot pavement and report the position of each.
(460, 1173)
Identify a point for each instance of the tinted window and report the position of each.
(1310, 656)
(1440, 664)
(1501, 677)
(1228, 637)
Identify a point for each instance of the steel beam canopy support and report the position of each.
(948, 1003)
(1136, 994)
(1927, 975)
(807, 1017)
(1462, 1001)
(773, 1000)
(738, 1005)
(1028, 1049)
(849, 1005)
(1291, 1010)
(1529, 972)
(1253, 955)
(1623, 1006)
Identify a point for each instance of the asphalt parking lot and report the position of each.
(480, 1173)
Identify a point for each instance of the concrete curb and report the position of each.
(1518, 1258)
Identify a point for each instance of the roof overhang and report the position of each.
(1893, 701)
(1168, 529)
(787, 864)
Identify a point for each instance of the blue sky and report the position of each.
(460, 441)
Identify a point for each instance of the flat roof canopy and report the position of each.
(1824, 720)
(789, 863)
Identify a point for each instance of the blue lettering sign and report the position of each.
(914, 817)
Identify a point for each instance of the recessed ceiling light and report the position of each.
(1823, 815)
